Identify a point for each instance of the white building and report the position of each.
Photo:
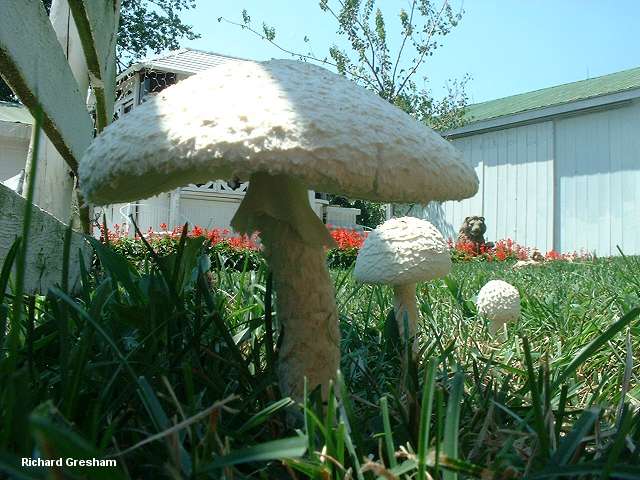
(15, 132)
(559, 168)
(209, 205)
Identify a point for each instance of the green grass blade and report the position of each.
(66, 254)
(152, 405)
(62, 442)
(11, 465)
(588, 470)
(425, 417)
(598, 342)
(293, 447)
(7, 265)
(536, 401)
(264, 414)
(572, 441)
(388, 434)
(452, 423)
(21, 257)
(618, 446)
(85, 315)
(117, 267)
(562, 404)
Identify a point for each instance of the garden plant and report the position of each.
(164, 360)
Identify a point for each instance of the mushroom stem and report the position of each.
(294, 239)
(404, 301)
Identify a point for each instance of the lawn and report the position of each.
(168, 368)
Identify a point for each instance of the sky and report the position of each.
(506, 46)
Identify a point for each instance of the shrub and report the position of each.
(225, 248)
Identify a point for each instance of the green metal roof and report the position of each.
(15, 113)
(547, 97)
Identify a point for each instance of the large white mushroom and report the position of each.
(285, 126)
(402, 252)
(499, 301)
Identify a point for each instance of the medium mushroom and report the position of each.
(499, 301)
(402, 252)
(286, 126)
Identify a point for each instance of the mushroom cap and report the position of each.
(499, 301)
(277, 117)
(402, 251)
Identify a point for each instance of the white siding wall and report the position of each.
(13, 156)
(14, 144)
(569, 184)
(516, 186)
(597, 181)
(209, 212)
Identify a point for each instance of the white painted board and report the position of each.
(34, 65)
(45, 247)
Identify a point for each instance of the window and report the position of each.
(154, 82)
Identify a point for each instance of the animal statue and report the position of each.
(472, 231)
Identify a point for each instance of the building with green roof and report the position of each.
(559, 167)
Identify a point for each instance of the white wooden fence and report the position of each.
(49, 63)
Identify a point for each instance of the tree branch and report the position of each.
(424, 52)
(404, 40)
(289, 52)
(371, 64)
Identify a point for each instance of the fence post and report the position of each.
(54, 182)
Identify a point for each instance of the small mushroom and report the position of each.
(286, 126)
(499, 301)
(402, 252)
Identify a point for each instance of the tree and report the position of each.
(370, 62)
(151, 26)
(146, 26)
(371, 215)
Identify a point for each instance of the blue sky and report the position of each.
(507, 46)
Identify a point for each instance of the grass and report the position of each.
(169, 368)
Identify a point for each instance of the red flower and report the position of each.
(348, 238)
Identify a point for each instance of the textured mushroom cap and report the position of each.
(499, 301)
(278, 117)
(403, 251)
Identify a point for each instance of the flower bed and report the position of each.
(225, 247)
(232, 250)
(349, 242)
(505, 250)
